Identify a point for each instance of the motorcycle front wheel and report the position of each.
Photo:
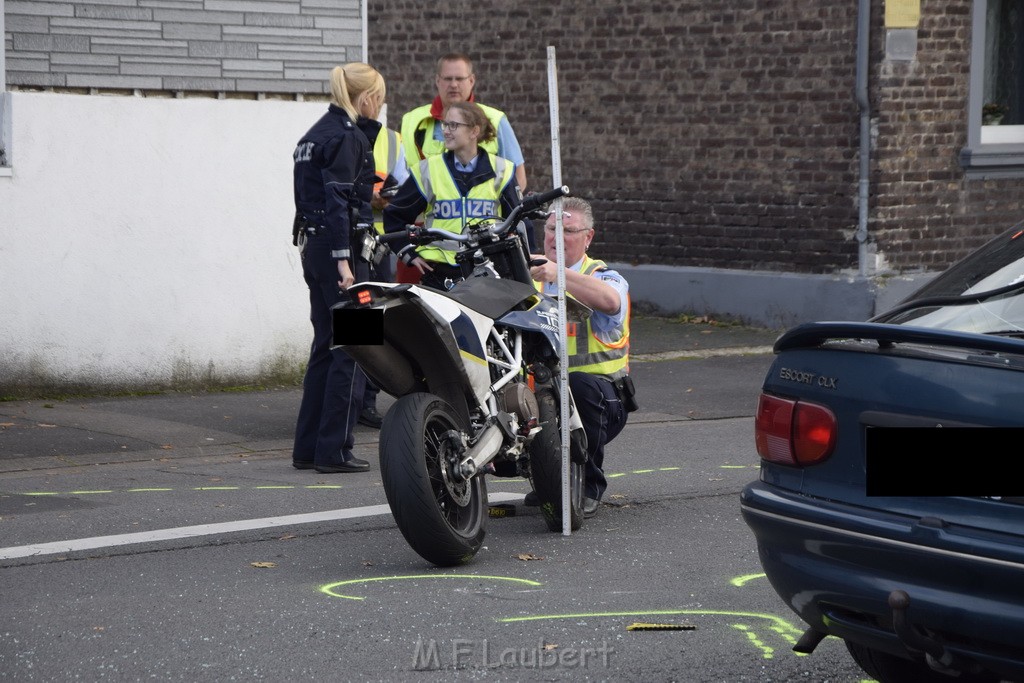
(546, 468)
(440, 516)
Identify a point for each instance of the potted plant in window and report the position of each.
(992, 114)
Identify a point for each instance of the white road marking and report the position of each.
(57, 547)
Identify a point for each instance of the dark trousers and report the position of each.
(603, 417)
(332, 390)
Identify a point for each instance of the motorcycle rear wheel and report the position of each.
(441, 517)
(546, 468)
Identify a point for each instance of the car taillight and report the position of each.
(793, 432)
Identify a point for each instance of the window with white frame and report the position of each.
(995, 135)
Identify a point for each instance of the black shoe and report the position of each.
(371, 418)
(531, 500)
(590, 506)
(352, 465)
(302, 464)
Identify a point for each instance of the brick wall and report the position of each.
(706, 133)
(249, 46)
(926, 213)
(721, 133)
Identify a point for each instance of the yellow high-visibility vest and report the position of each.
(385, 156)
(447, 209)
(419, 119)
(608, 359)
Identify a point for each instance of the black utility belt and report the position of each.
(307, 228)
(315, 231)
(626, 391)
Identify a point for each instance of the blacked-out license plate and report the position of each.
(358, 326)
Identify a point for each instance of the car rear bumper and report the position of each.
(835, 565)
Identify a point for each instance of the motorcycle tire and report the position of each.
(439, 516)
(546, 468)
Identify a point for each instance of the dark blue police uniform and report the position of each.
(330, 165)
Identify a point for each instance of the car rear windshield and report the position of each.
(984, 293)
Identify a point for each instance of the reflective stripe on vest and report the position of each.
(594, 356)
(447, 209)
(385, 156)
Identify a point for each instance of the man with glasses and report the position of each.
(421, 130)
(598, 349)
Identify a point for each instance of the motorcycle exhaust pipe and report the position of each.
(486, 447)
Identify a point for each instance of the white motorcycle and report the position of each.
(475, 370)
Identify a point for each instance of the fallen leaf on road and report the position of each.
(264, 565)
(43, 424)
(167, 447)
(286, 537)
(526, 557)
(550, 646)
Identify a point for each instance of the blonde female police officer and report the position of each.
(333, 182)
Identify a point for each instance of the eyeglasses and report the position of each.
(550, 229)
(453, 79)
(452, 125)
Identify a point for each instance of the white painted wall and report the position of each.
(145, 241)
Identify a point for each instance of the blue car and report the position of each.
(889, 511)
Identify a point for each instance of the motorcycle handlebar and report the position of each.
(530, 203)
(392, 236)
(535, 200)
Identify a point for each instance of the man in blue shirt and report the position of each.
(421, 128)
(599, 348)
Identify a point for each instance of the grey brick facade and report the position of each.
(724, 133)
(709, 133)
(234, 46)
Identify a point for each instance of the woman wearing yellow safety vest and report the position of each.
(464, 184)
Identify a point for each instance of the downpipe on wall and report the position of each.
(864, 105)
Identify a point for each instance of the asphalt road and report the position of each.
(168, 537)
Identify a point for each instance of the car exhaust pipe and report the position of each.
(809, 640)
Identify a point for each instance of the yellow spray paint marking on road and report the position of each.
(329, 588)
(776, 624)
(766, 651)
(741, 581)
(282, 487)
(615, 475)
